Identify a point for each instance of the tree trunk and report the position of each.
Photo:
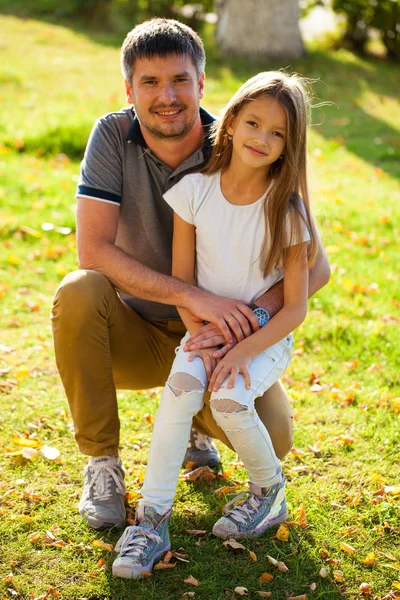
(259, 28)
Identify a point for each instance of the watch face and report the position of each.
(262, 316)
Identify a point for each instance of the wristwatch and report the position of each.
(261, 313)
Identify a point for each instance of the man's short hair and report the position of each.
(161, 37)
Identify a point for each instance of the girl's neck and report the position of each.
(243, 185)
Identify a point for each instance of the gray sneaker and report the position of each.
(202, 451)
(262, 508)
(143, 544)
(102, 503)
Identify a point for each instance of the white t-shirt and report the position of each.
(229, 238)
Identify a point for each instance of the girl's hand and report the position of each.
(206, 354)
(235, 362)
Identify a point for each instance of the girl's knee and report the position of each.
(231, 415)
(185, 393)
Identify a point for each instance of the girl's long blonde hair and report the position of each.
(289, 173)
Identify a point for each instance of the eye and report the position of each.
(252, 123)
(150, 82)
(182, 80)
(278, 134)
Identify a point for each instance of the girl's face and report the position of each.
(259, 132)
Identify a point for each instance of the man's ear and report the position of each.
(201, 85)
(128, 91)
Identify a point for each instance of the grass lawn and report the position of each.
(343, 474)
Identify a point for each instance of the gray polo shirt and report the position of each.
(120, 169)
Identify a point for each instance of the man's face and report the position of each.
(166, 93)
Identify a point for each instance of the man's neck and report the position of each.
(174, 151)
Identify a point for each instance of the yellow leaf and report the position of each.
(13, 259)
(265, 577)
(283, 533)
(396, 584)
(27, 442)
(21, 373)
(253, 556)
(302, 516)
(338, 576)
(347, 548)
(35, 537)
(103, 545)
(370, 559)
(26, 518)
(392, 490)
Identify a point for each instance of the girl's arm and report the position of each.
(183, 263)
(291, 315)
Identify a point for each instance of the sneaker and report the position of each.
(262, 508)
(202, 451)
(102, 503)
(143, 544)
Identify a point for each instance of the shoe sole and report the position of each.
(225, 535)
(127, 572)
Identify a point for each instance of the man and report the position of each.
(107, 339)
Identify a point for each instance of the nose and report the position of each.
(261, 139)
(166, 93)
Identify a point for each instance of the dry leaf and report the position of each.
(199, 473)
(313, 587)
(8, 578)
(386, 554)
(103, 545)
(265, 578)
(242, 591)
(323, 572)
(28, 453)
(49, 452)
(302, 597)
(35, 537)
(167, 557)
(198, 532)
(278, 564)
(265, 594)
(392, 490)
(365, 589)
(101, 563)
(347, 548)
(253, 556)
(283, 533)
(302, 516)
(226, 489)
(188, 595)
(338, 576)
(232, 544)
(162, 565)
(191, 580)
(145, 574)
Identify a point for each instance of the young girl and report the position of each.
(239, 227)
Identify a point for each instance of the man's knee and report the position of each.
(79, 291)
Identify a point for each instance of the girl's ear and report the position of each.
(230, 128)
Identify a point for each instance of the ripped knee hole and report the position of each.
(183, 383)
(227, 406)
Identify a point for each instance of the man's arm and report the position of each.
(272, 300)
(97, 224)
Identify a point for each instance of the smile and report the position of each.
(256, 151)
(168, 113)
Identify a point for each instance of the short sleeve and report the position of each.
(181, 198)
(296, 224)
(101, 168)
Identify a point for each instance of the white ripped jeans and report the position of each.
(233, 409)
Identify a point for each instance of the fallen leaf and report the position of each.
(323, 572)
(232, 544)
(26, 442)
(265, 578)
(198, 532)
(370, 559)
(26, 518)
(392, 490)
(278, 564)
(313, 587)
(101, 563)
(8, 578)
(49, 452)
(226, 489)
(28, 453)
(241, 591)
(283, 533)
(188, 595)
(386, 554)
(265, 594)
(302, 597)
(253, 556)
(191, 580)
(302, 516)
(365, 589)
(103, 545)
(199, 473)
(35, 537)
(338, 576)
(347, 548)
(162, 565)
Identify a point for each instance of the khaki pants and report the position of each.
(101, 345)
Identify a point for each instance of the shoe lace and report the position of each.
(202, 442)
(134, 540)
(102, 482)
(245, 509)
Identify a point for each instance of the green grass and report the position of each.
(55, 83)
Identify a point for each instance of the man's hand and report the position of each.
(235, 362)
(207, 357)
(229, 315)
(207, 337)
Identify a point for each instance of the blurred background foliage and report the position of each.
(361, 18)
